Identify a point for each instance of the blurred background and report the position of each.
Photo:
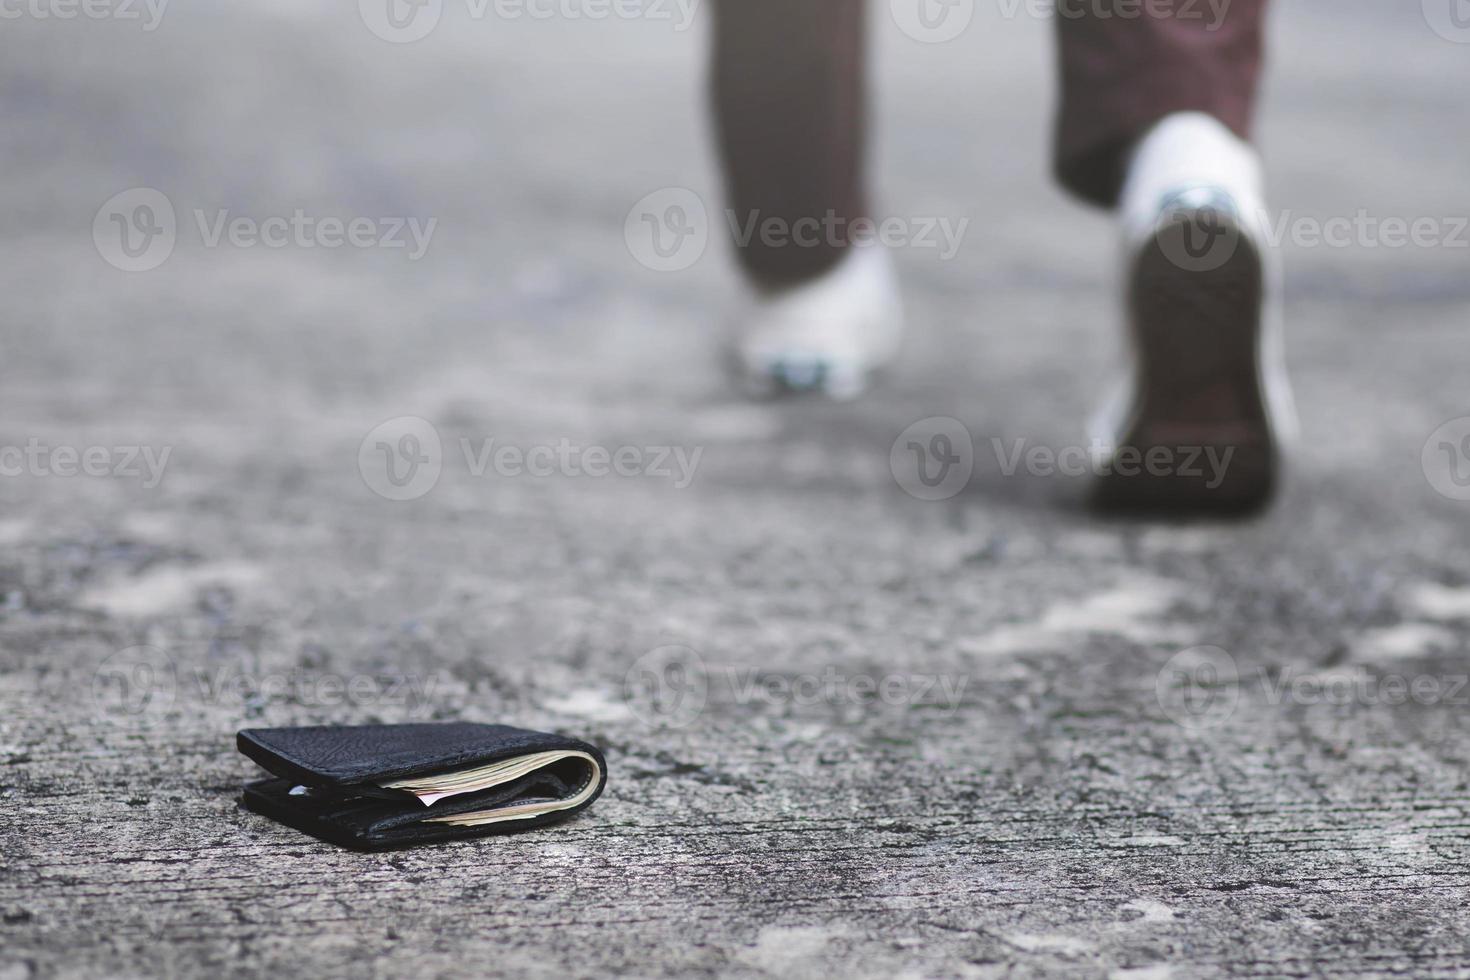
(264, 381)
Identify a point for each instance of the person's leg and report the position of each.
(1126, 65)
(1155, 119)
(790, 102)
(791, 119)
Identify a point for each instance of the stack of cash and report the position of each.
(431, 789)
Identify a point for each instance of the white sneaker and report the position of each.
(1208, 394)
(827, 336)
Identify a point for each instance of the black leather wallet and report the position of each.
(372, 787)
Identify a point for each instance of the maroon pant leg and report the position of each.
(1120, 74)
(789, 93)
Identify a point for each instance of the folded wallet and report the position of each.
(373, 787)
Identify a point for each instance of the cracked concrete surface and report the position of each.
(1060, 797)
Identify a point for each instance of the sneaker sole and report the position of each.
(813, 379)
(824, 382)
(1197, 330)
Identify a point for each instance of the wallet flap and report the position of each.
(351, 754)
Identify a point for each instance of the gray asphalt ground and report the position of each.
(1055, 778)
